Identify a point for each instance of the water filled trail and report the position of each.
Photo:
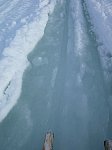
(63, 88)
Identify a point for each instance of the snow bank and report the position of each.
(100, 12)
(14, 60)
(101, 17)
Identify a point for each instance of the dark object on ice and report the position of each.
(48, 142)
(108, 144)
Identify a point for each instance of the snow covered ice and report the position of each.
(55, 73)
(14, 56)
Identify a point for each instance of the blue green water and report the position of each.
(63, 90)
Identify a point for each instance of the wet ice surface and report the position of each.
(63, 88)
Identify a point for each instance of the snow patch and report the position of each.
(81, 39)
(101, 20)
(101, 17)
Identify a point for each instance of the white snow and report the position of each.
(81, 38)
(14, 60)
(13, 24)
(100, 12)
(101, 16)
